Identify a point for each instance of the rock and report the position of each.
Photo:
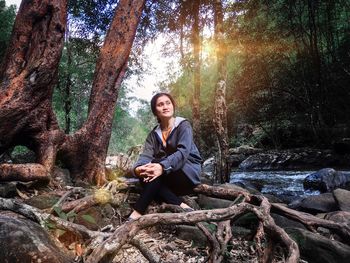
(316, 248)
(342, 198)
(22, 240)
(124, 161)
(339, 217)
(322, 203)
(43, 201)
(292, 159)
(284, 222)
(95, 217)
(8, 189)
(206, 202)
(191, 233)
(245, 149)
(325, 180)
(239, 154)
(261, 161)
(208, 168)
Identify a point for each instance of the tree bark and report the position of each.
(28, 76)
(85, 152)
(220, 108)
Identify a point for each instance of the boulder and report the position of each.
(261, 161)
(316, 248)
(295, 159)
(339, 217)
(22, 240)
(208, 168)
(342, 198)
(206, 202)
(43, 201)
(284, 222)
(322, 203)
(325, 180)
(239, 154)
(124, 161)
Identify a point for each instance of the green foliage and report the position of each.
(20, 149)
(89, 219)
(7, 18)
(288, 74)
(70, 216)
(127, 130)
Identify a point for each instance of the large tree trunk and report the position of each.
(28, 76)
(220, 108)
(85, 152)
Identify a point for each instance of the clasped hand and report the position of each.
(149, 171)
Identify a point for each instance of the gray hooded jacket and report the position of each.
(180, 152)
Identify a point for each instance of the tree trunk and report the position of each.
(196, 76)
(28, 76)
(220, 108)
(68, 84)
(85, 152)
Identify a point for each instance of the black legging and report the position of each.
(166, 188)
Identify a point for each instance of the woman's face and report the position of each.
(164, 107)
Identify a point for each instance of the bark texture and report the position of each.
(90, 143)
(220, 108)
(28, 76)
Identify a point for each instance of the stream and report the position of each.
(286, 185)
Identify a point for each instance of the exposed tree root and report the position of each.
(146, 252)
(126, 232)
(43, 218)
(312, 222)
(103, 246)
(24, 172)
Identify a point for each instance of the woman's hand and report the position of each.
(149, 171)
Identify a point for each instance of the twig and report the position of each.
(146, 252)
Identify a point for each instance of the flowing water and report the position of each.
(287, 185)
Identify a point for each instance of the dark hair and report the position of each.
(155, 98)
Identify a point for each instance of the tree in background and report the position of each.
(7, 17)
(220, 108)
(28, 77)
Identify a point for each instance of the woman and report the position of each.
(170, 163)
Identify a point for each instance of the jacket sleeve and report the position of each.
(148, 153)
(178, 159)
